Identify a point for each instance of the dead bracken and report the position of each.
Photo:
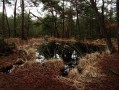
(96, 71)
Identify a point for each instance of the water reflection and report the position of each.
(39, 58)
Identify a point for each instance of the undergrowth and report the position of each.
(92, 72)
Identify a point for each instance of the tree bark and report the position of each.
(102, 27)
(23, 37)
(3, 19)
(28, 26)
(57, 33)
(117, 7)
(15, 33)
(77, 15)
(9, 31)
(63, 28)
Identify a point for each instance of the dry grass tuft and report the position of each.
(54, 65)
(99, 42)
(87, 69)
(91, 59)
(27, 66)
(32, 64)
(91, 72)
(72, 83)
(74, 75)
(26, 48)
(30, 42)
(30, 53)
(26, 52)
(62, 40)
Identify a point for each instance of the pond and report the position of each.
(69, 52)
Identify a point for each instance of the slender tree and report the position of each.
(77, 14)
(28, 26)
(15, 18)
(8, 26)
(102, 27)
(23, 37)
(117, 7)
(3, 18)
(63, 20)
(76, 4)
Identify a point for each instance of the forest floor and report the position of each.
(95, 71)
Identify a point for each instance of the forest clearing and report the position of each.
(59, 44)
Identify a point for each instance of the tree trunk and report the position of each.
(28, 26)
(3, 19)
(15, 33)
(77, 15)
(56, 29)
(57, 33)
(102, 27)
(22, 23)
(117, 7)
(53, 23)
(63, 28)
(9, 31)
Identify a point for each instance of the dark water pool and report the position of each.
(69, 52)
